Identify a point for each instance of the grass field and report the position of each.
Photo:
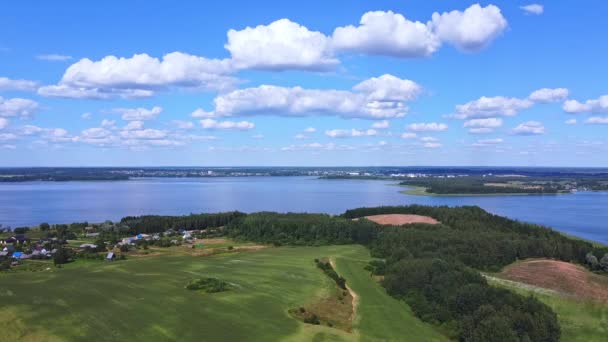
(144, 299)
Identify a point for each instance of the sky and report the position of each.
(314, 83)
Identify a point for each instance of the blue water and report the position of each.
(584, 214)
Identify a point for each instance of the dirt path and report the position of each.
(353, 294)
(401, 219)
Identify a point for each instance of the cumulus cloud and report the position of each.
(483, 126)
(53, 57)
(133, 125)
(17, 107)
(3, 123)
(344, 133)
(387, 33)
(281, 45)
(488, 142)
(599, 105)
(597, 120)
(7, 136)
(86, 116)
(138, 114)
(546, 95)
(431, 145)
(201, 113)
(376, 98)
(529, 128)
(429, 139)
(427, 127)
(227, 125)
(147, 133)
(535, 9)
(310, 130)
(408, 135)
(22, 85)
(384, 124)
(139, 76)
(486, 107)
(570, 122)
(108, 123)
(471, 30)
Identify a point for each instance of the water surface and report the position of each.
(583, 214)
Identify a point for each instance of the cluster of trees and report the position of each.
(477, 185)
(329, 271)
(460, 300)
(208, 285)
(155, 224)
(300, 229)
(595, 263)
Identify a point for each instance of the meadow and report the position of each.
(143, 298)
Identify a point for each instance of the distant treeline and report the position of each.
(473, 185)
(155, 224)
(432, 267)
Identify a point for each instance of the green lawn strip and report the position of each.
(580, 320)
(379, 316)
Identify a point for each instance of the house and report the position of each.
(91, 235)
(3, 253)
(89, 229)
(110, 256)
(88, 245)
(21, 238)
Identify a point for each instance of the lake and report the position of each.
(584, 214)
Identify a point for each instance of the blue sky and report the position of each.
(314, 83)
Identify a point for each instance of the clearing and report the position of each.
(563, 277)
(401, 219)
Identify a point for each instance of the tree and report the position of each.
(45, 226)
(604, 262)
(591, 260)
(62, 256)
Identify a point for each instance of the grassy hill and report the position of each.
(143, 299)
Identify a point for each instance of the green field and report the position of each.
(580, 320)
(144, 299)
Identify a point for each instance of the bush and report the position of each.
(208, 285)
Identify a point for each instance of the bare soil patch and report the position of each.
(560, 276)
(401, 219)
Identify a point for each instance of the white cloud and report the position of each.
(8, 146)
(570, 122)
(140, 76)
(470, 30)
(147, 133)
(343, 133)
(108, 123)
(387, 33)
(30, 130)
(95, 133)
(280, 45)
(23, 85)
(300, 136)
(408, 135)
(488, 142)
(3, 123)
(431, 145)
(180, 124)
(257, 136)
(529, 128)
(53, 57)
(201, 113)
(546, 95)
(486, 107)
(17, 107)
(429, 139)
(7, 136)
(483, 126)
(214, 124)
(138, 114)
(597, 120)
(535, 9)
(599, 105)
(385, 101)
(384, 124)
(310, 130)
(133, 125)
(86, 116)
(427, 127)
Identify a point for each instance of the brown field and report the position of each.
(401, 219)
(560, 276)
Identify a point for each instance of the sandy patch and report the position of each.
(401, 219)
(560, 276)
